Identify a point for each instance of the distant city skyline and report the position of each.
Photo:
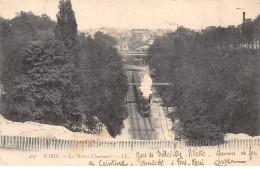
(147, 14)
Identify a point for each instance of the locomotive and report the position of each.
(145, 108)
(143, 104)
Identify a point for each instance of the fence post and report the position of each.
(44, 143)
(68, 144)
(59, 145)
(75, 144)
(26, 143)
(19, 142)
(22, 142)
(40, 143)
(36, 143)
(84, 144)
(52, 143)
(5, 140)
(48, 141)
(56, 143)
(62, 144)
(14, 142)
(29, 143)
(72, 144)
(33, 143)
(11, 142)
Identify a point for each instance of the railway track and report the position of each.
(165, 130)
(160, 119)
(160, 114)
(147, 135)
(143, 131)
(143, 127)
(150, 132)
(132, 108)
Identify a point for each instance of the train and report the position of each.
(143, 103)
(145, 107)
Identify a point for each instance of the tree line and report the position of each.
(215, 79)
(53, 74)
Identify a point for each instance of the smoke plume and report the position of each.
(146, 84)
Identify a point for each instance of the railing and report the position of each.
(154, 84)
(36, 143)
(132, 52)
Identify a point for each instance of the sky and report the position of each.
(150, 14)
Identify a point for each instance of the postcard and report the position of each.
(129, 82)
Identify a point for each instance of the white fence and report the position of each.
(33, 143)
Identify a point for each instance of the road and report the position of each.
(155, 127)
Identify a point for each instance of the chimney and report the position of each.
(244, 17)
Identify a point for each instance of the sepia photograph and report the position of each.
(129, 82)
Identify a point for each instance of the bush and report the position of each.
(203, 130)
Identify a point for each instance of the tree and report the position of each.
(64, 81)
(104, 84)
(38, 93)
(66, 29)
(215, 82)
(66, 32)
(15, 35)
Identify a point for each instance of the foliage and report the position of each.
(215, 80)
(38, 93)
(15, 35)
(72, 81)
(104, 84)
(66, 32)
(66, 29)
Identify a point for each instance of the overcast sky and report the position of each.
(152, 14)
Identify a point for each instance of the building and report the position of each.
(141, 35)
(142, 48)
(123, 46)
(141, 31)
